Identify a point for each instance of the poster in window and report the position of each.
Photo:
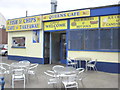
(18, 41)
(36, 36)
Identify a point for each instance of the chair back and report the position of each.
(57, 67)
(33, 66)
(14, 65)
(18, 75)
(24, 62)
(4, 68)
(68, 59)
(32, 69)
(80, 70)
(69, 77)
(18, 72)
(52, 80)
(93, 62)
(49, 73)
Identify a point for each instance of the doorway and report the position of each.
(54, 47)
(46, 47)
(63, 46)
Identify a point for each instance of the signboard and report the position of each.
(55, 25)
(91, 22)
(110, 21)
(27, 23)
(72, 14)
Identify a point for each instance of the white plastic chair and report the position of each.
(25, 64)
(57, 67)
(80, 75)
(32, 70)
(92, 64)
(18, 75)
(79, 70)
(53, 80)
(71, 63)
(4, 68)
(69, 81)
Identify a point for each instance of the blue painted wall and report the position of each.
(31, 59)
(105, 11)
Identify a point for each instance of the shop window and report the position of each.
(91, 39)
(75, 39)
(102, 39)
(115, 39)
(105, 39)
(18, 41)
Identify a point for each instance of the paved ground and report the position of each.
(92, 80)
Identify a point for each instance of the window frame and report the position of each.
(15, 43)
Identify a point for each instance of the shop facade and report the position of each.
(25, 39)
(91, 32)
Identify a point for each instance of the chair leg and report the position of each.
(76, 66)
(95, 68)
(24, 83)
(54, 85)
(90, 68)
(36, 76)
(27, 78)
(77, 87)
(82, 83)
(86, 68)
(12, 83)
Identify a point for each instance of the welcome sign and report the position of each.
(27, 23)
(72, 14)
(55, 25)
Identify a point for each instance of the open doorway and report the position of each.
(46, 47)
(54, 47)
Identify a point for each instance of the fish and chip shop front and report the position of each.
(25, 39)
(51, 38)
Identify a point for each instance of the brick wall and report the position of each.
(3, 36)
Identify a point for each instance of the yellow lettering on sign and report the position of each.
(79, 13)
(27, 23)
(91, 22)
(55, 25)
(110, 21)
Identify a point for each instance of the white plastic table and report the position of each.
(65, 71)
(86, 59)
(20, 65)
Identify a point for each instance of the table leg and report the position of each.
(86, 64)
(80, 63)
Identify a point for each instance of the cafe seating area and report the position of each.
(68, 76)
(18, 71)
(24, 74)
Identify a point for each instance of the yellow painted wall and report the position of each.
(31, 50)
(100, 56)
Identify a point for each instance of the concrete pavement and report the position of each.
(92, 80)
